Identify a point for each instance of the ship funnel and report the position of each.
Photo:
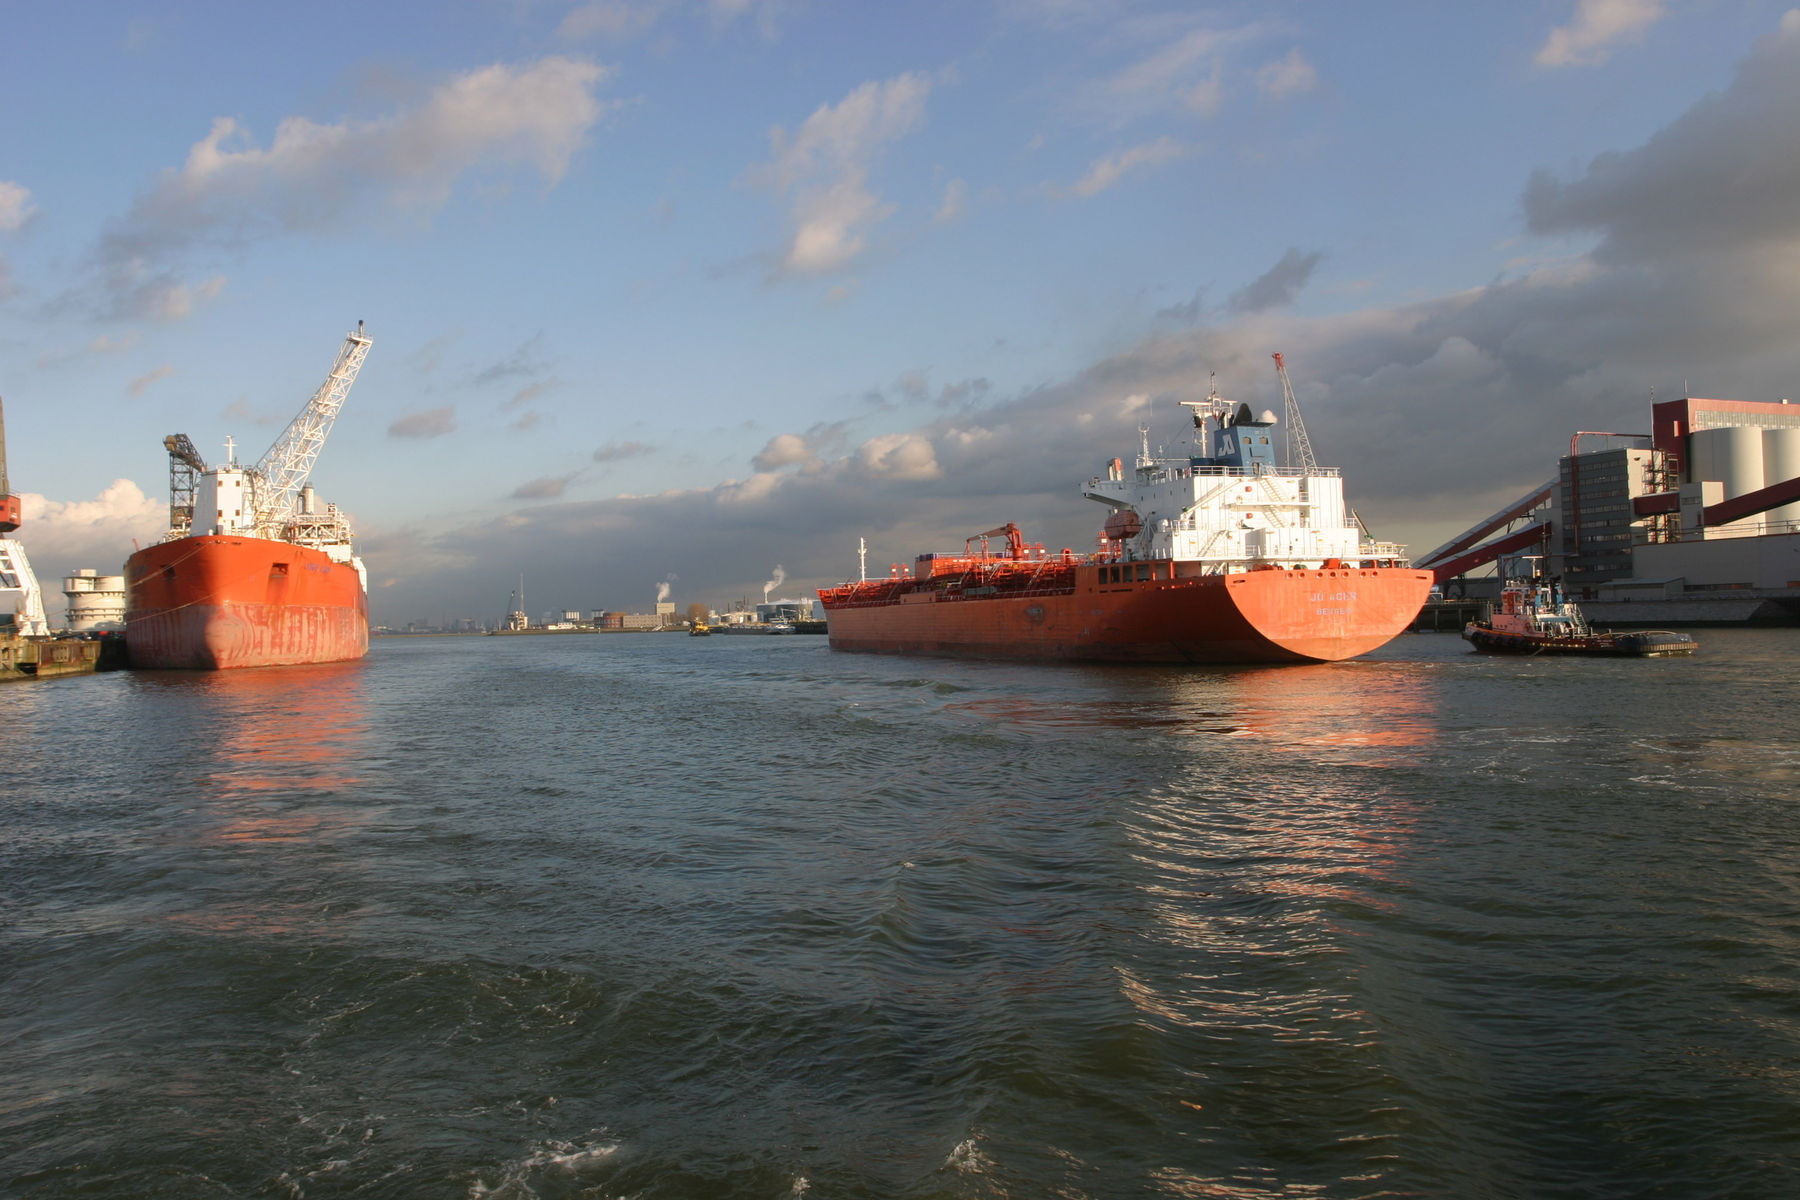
(308, 499)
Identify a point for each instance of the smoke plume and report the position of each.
(774, 582)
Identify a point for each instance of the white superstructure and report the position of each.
(1225, 504)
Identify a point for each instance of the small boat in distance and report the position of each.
(1534, 617)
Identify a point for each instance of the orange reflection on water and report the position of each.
(273, 781)
(1264, 859)
(1387, 705)
(291, 726)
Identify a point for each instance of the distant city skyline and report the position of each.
(688, 292)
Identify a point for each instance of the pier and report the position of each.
(1450, 614)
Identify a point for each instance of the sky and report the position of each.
(702, 292)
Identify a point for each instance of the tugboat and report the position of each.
(1534, 617)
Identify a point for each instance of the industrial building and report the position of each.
(1696, 521)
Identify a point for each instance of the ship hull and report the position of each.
(1647, 643)
(221, 603)
(1275, 615)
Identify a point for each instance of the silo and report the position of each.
(1733, 457)
(1781, 462)
(97, 602)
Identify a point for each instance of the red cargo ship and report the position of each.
(1217, 556)
(251, 573)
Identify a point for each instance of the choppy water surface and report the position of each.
(652, 916)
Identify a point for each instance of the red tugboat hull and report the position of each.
(1156, 613)
(220, 603)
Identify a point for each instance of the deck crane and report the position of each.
(1297, 443)
(281, 473)
(1015, 541)
(17, 580)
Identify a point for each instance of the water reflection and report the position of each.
(1262, 861)
(269, 767)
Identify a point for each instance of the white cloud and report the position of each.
(1184, 73)
(311, 175)
(62, 535)
(138, 386)
(15, 206)
(955, 203)
(897, 456)
(1289, 76)
(431, 423)
(765, 14)
(100, 344)
(137, 291)
(615, 20)
(620, 451)
(547, 487)
(784, 449)
(1109, 170)
(823, 171)
(1597, 28)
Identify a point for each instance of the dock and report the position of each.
(1449, 615)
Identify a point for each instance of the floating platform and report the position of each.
(46, 658)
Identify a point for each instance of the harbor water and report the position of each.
(655, 916)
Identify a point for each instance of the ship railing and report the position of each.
(886, 598)
(1385, 550)
(1179, 468)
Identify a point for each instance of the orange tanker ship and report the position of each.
(252, 573)
(1217, 556)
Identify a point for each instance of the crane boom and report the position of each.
(1015, 540)
(1297, 444)
(9, 504)
(283, 469)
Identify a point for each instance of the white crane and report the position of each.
(282, 471)
(1299, 449)
(17, 582)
